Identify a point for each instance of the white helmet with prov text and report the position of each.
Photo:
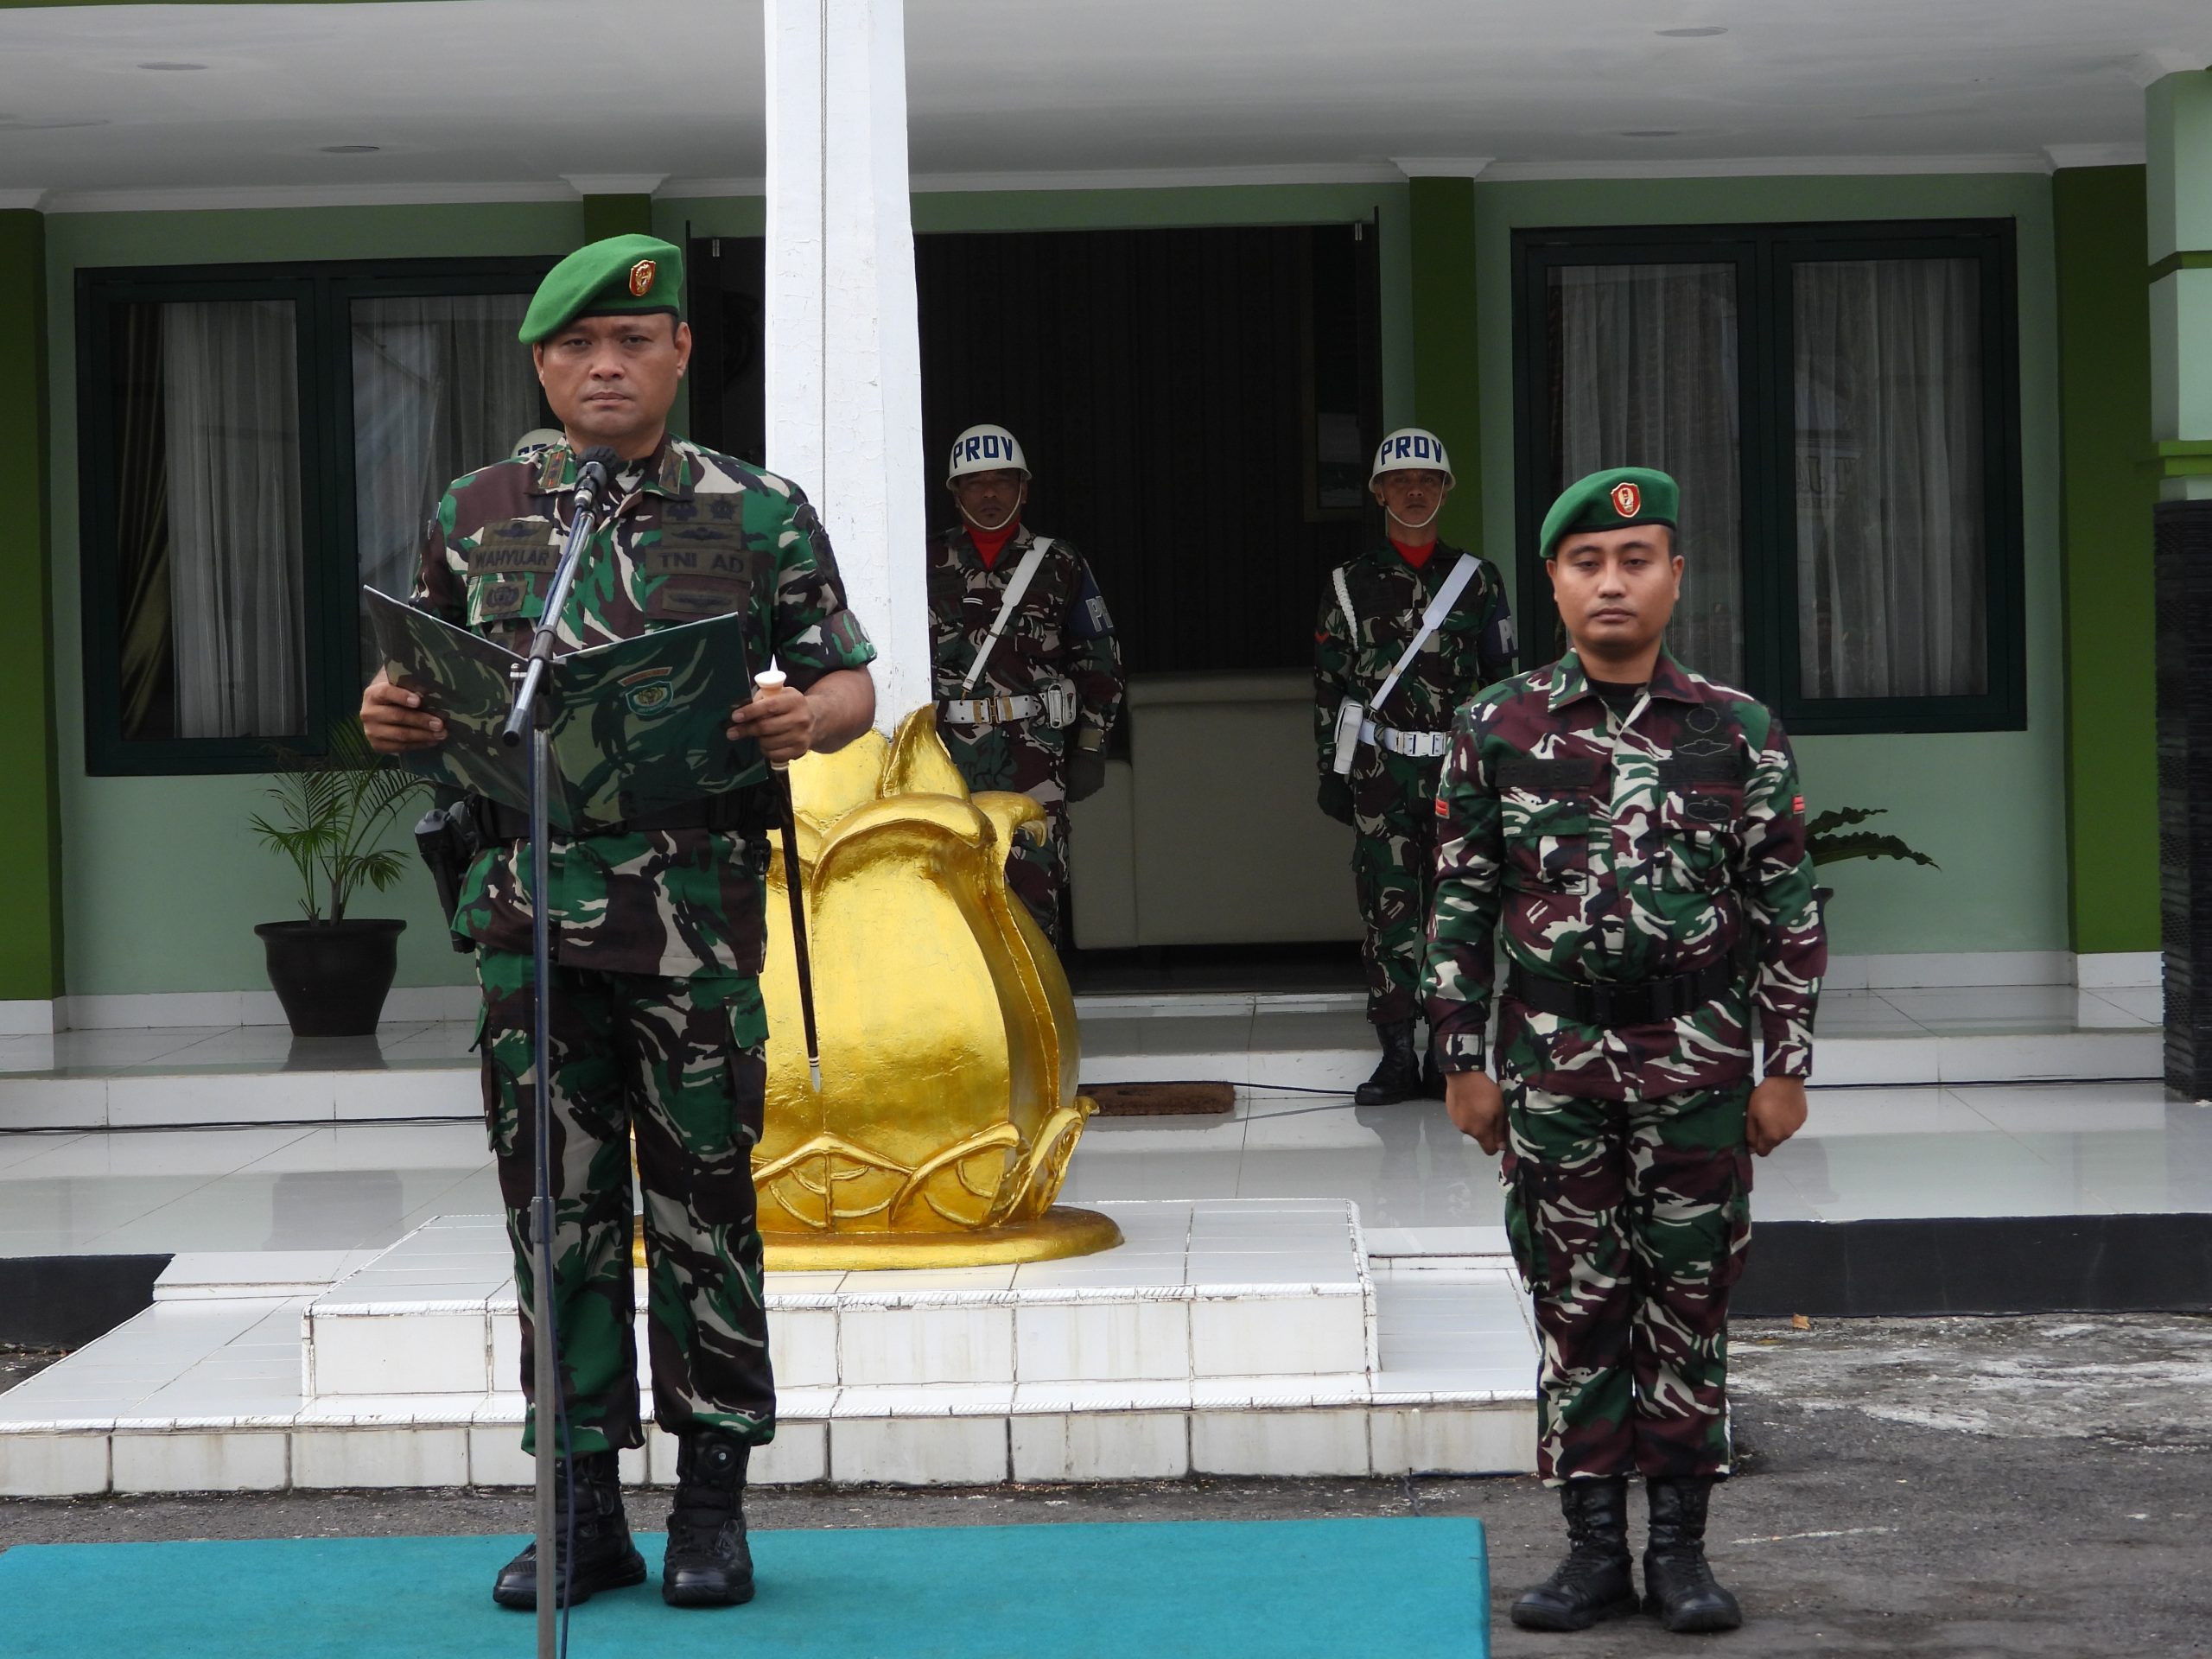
(1411, 448)
(985, 450)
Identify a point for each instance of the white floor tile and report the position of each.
(53, 1465)
(1106, 1445)
(245, 1461)
(372, 1458)
(1280, 1442)
(920, 1451)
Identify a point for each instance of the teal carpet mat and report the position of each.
(1407, 1588)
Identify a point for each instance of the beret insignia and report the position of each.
(641, 279)
(1628, 500)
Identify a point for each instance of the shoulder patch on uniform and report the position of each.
(1442, 811)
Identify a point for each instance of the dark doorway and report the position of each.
(1197, 406)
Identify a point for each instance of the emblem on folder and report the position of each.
(650, 693)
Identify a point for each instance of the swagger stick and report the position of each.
(795, 888)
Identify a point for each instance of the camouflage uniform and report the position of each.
(657, 937)
(1389, 800)
(1621, 850)
(1059, 631)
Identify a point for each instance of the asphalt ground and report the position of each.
(2005, 1487)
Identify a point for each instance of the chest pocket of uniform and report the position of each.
(1701, 815)
(692, 571)
(510, 568)
(1545, 808)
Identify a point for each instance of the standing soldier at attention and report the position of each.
(1409, 630)
(1635, 836)
(1028, 673)
(658, 924)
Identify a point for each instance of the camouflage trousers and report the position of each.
(1630, 1220)
(681, 1064)
(1394, 869)
(1004, 758)
(1039, 874)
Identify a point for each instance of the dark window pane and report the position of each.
(210, 562)
(440, 388)
(1646, 376)
(1892, 557)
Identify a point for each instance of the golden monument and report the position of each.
(948, 1109)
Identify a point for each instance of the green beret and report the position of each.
(1612, 499)
(623, 273)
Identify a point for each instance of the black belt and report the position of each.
(1647, 1002)
(498, 822)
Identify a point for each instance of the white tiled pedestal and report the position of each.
(1224, 1336)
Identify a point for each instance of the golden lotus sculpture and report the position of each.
(948, 1109)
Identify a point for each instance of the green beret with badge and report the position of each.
(612, 277)
(1612, 499)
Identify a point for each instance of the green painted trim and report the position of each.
(606, 216)
(1447, 342)
(2108, 598)
(30, 806)
(2188, 259)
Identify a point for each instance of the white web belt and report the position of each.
(989, 711)
(1421, 746)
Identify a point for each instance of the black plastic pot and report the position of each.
(332, 976)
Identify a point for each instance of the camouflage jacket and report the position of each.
(1623, 850)
(1060, 630)
(700, 535)
(1470, 650)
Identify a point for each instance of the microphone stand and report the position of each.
(532, 712)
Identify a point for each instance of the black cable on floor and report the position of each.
(237, 1123)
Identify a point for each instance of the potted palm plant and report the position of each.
(1833, 837)
(332, 971)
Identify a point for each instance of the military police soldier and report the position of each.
(659, 925)
(1381, 718)
(1028, 673)
(1634, 835)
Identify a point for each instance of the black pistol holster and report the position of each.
(447, 837)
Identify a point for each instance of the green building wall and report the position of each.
(2111, 765)
(1989, 807)
(160, 883)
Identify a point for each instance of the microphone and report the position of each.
(594, 476)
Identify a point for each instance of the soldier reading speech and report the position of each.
(658, 1025)
(1028, 673)
(1634, 837)
(1409, 630)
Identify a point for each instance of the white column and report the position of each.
(842, 349)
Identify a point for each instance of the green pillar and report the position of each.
(1448, 378)
(2178, 132)
(30, 828)
(2112, 764)
(606, 216)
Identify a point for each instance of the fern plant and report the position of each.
(333, 810)
(1830, 839)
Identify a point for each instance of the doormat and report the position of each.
(1410, 1587)
(1162, 1099)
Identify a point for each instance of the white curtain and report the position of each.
(1892, 559)
(231, 403)
(440, 388)
(1646, 358)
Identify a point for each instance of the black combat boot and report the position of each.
(605, 1559)
(1678, 1586)
(707, 1564)
(1432, 1073)
(1398, 1077)
(1593, 1581)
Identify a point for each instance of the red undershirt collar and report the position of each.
(991, 543)
(1417, 557)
